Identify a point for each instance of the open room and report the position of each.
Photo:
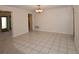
(39, 29)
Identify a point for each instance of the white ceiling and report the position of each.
(33, 7)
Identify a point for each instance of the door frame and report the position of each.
(30, 27)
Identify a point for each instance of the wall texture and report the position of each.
(19, 20)
(76, 13)
(58, 20)
(51, 20)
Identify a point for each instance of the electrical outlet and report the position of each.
(37, 27)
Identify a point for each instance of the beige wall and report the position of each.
(19, 20)
(76, 13)
(58, 20)
(53, 20)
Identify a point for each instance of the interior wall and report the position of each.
(19, 20)
(33, 20)
(76, 12)
(58, 20)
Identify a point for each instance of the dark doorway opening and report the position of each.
(5, 21)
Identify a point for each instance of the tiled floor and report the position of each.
(39, 43)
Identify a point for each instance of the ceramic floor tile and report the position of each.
(37, 43)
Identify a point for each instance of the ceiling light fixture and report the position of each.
(39, 10)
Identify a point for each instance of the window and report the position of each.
(4, 22)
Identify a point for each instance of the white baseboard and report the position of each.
(55, 32)
(19, 34)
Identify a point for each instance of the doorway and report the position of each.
(5, 25)
(5, 21)
(30, 22)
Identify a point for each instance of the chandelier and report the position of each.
(39, 10)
